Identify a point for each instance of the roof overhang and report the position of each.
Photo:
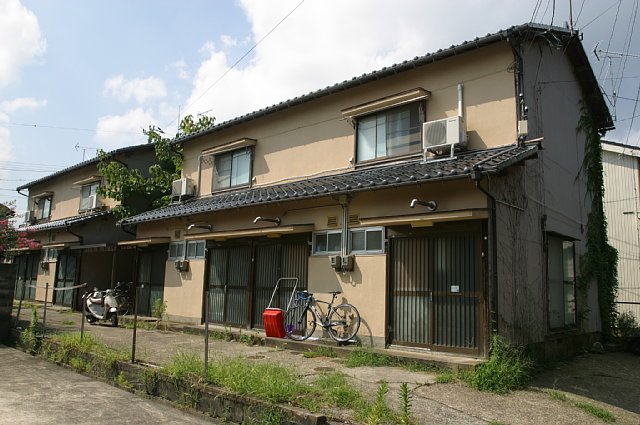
(274, 232)
(145, 241)
(426, 220)
(387, 102)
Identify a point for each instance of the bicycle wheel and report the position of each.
(344, 322)
(299, 323)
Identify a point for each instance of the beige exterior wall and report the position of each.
(313, 138)
(183, 292)
(45, 277)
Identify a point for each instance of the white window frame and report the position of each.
(49, 255)
(40, 210)
(367, 230)
(325, 234)
(248, 150)
(381, 141)
(84, 199)
(184, 246)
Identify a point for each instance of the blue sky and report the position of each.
(95, 73)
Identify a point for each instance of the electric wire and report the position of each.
(217, 80)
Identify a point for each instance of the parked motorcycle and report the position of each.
(101, 305)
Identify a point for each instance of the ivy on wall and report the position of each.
(600, 263)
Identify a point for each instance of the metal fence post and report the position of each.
(84, 312)
(206, 335)
(135, 324)
(44, 315)
(20, 303)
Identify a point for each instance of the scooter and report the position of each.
(101, 305)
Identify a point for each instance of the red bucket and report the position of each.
(274, 322)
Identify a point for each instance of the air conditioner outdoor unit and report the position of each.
(443, 135)
(182, 189)
(93, 202)
(334, 260)
(182, 265)
(29, 217)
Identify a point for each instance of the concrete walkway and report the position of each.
(34, 391)
(592, 378)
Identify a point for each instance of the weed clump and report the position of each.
(507, 369)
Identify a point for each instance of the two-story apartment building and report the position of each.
(77, 232)
(442, 196)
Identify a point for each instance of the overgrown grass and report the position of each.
(320, 351)
(68, 323)
(507, 369)
(149, 326)
(596, 411)
(446, 377)
(158, 308)
(363, 357)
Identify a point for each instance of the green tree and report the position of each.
(137, 192)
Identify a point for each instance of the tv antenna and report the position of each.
(84, 149)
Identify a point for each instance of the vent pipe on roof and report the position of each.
(460, 86)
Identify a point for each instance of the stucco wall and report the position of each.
(313, 138)
(183, 291)
(553, 97)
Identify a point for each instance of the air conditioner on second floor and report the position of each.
(29, 217)
(443, 135)
(93, 202)
(182, 189)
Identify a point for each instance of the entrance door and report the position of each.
(27, 276)
(151, 278)
(65, 278)
(274, 260)
(436, 295)
(229, 269)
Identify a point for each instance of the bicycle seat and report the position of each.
(335, 292)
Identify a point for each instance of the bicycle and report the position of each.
(123, 293)
(342, 322)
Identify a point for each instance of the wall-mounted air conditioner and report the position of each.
(346, 263)
(182, 265)
(93, 202)
(334, 260)
(29, 217)
(182, 189)
(444, 135)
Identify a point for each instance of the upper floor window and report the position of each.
(561, 282)
(391, 132)
(88, 196)
(43, 209)
(232, 168)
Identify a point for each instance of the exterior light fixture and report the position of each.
(431, 205)
(276, 220)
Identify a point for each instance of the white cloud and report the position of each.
(5, 141)
(116, 131)
(21, 39)
(228, 40)
(322, 43)
(22, 103)
(140, 89)
(182, 69)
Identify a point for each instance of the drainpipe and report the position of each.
(460, 108)
(68, 229)
(344, 203)
(492, 261)
(121, 225)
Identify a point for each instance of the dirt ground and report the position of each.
(610, 381)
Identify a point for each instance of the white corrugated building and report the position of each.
(622, 208)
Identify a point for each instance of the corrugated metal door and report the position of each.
(436, 293)
(27, 276)
(273, 261)
(229, 269)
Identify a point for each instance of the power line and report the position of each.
(239, 60)
(600, 15)
(57, 127)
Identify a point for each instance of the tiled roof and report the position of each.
(85, 163)
(64, 222)
(574, 50)
(397, 174)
